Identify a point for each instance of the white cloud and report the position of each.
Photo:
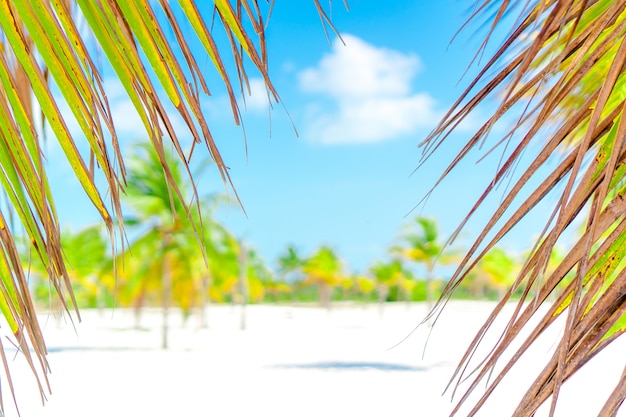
(373, 120)
(371, 91)
(258, 99)
(358, 69)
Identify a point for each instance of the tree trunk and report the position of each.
(166, 284)
(430, 298)
(167, 292)
(383, 292)
(205, 299)
(325, 293)
(138, 309)
(429, 294)
(99, 295)
(243, 286)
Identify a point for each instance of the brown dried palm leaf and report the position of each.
(560, 76)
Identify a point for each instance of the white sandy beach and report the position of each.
(290, 361)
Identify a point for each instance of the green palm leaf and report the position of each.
(44, 58)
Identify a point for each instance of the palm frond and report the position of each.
(558, 79)
(146, 45)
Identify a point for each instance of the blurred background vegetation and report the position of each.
(191, 261)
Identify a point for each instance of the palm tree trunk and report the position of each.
(205, 300)
(167, 291)
(383, 292)
(429, 293)
(166, 282)
(325, 293)
(430, 298)
(99, 295)
(243, 286)
(138, 306)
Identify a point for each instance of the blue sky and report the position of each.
(360, 110)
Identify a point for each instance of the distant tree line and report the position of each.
(191, 261)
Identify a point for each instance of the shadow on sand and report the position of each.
(353, 366)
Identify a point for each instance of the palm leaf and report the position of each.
(44, 59)
(559, 76)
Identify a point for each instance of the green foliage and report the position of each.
(323, 266)
(422, 239)
(87, 257)
(290, 262)
(492, 275)
(138, 279)
(323, 269)
(419, 291)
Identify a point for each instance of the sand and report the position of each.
(289, 361)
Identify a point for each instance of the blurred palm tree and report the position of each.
(87, 254)
(558, 79)
(170, 241)
(289, 263)
(391, 274)
(323, 269)
(493, 274)
(87, 258)
(364, 287)
(289, 267)
(226, 276)
(423, 246)
(259, 276)
(241, 273)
